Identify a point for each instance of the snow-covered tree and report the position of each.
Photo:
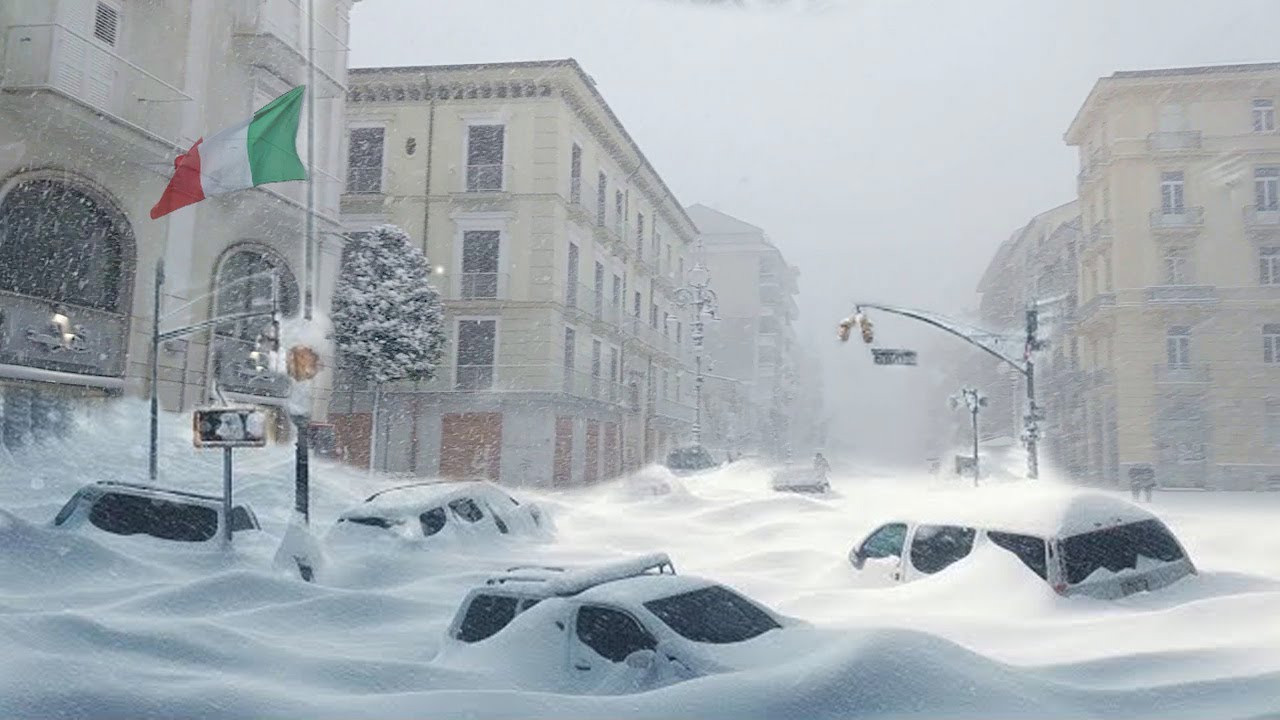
(388, 322)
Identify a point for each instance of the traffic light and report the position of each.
(867, 333)
(846, 326)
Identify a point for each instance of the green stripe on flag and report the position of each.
(273, 140)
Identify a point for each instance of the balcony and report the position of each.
(1180, 219)
(1182, 374)
(1181, 293)
(53, 58)
(272, 34)
(1265, 218)
(1094, 304)
(1160, 142)
(675, 410)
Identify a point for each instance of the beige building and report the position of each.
(1179, 317)
(97, 98)
(754, 339)
(556, 247)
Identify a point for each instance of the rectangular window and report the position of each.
(106, 24)
(1266, 188)
(571, 278)
(1176, 267)
(1172, 200)
(480, 264)
(1271, 344)
(1264, 115)
(679, 333)
(639, 304)
(595, 367)
(598, 286)
(616, 297)
(1177, 345)
(639, 236)
(615, 367)
(1269, 266)
(653, 316)
(484, 157)
(570, 352)
(476, 352)
(602, 195)
(575, 175)
(619, 214)
(656, 246)
(667, 267)
(1273, 423)
(364, 160)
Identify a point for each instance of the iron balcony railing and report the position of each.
(1173, 141)
(1182, 373)
(1177, 218)
(480, 286)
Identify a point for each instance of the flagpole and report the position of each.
(307, 259)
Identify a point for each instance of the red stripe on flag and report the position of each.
(184, 189)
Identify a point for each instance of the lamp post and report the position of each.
(974, 401)
(702, 298)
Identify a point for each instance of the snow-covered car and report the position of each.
(1079, 543)
(627, 626)
(689, 460)
(442, 508)
(133, 509)
(800, 480)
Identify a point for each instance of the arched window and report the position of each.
(62, 243)
(245, 283)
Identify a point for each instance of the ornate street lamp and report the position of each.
(702, 298)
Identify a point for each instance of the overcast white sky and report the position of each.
(887, 146)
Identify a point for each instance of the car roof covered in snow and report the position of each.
(1039, 510)
(151, 491)
(556, 581)
(413, 498)
(643, 588)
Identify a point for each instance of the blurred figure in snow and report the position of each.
(821, 466)
(1142, 481)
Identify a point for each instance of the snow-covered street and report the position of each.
(102, 626)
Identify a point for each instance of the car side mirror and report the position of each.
(641, 659)
(856, 558)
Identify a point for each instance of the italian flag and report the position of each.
(260, 150)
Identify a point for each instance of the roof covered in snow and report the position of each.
(1043, 511)
(416, 497)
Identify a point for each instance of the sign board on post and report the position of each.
(883, 356)
(227, 427)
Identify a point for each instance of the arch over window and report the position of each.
(244, 284)
(62, 241)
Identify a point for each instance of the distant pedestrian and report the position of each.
(821, 466)
(1142, 482)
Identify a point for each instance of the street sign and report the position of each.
(893, 357)
(228, 427)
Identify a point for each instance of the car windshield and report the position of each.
(695, 458)
(1118, 548)
(713, 614)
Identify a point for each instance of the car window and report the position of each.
(486, 615)
(934, 547)
(885, 542)
(497, 520)
(714, 614)
(65, 513)
(467, 509)
(1118, 548)
(371, 521)
(242, 519)
(432, 521)
(1029, 549)
(611, 634)
(528, 603)
(164, 519)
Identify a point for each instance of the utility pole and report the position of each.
(984, 341)
(702, 298)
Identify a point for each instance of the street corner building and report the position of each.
(93, 110)
(557, 249)
(1163, 282)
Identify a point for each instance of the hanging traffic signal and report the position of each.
(867, 333)
(846, 326)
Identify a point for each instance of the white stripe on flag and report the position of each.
(224, 161)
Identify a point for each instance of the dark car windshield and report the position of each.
(694, 458)
(712, 615)
(165, 519)
(1118, 548)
